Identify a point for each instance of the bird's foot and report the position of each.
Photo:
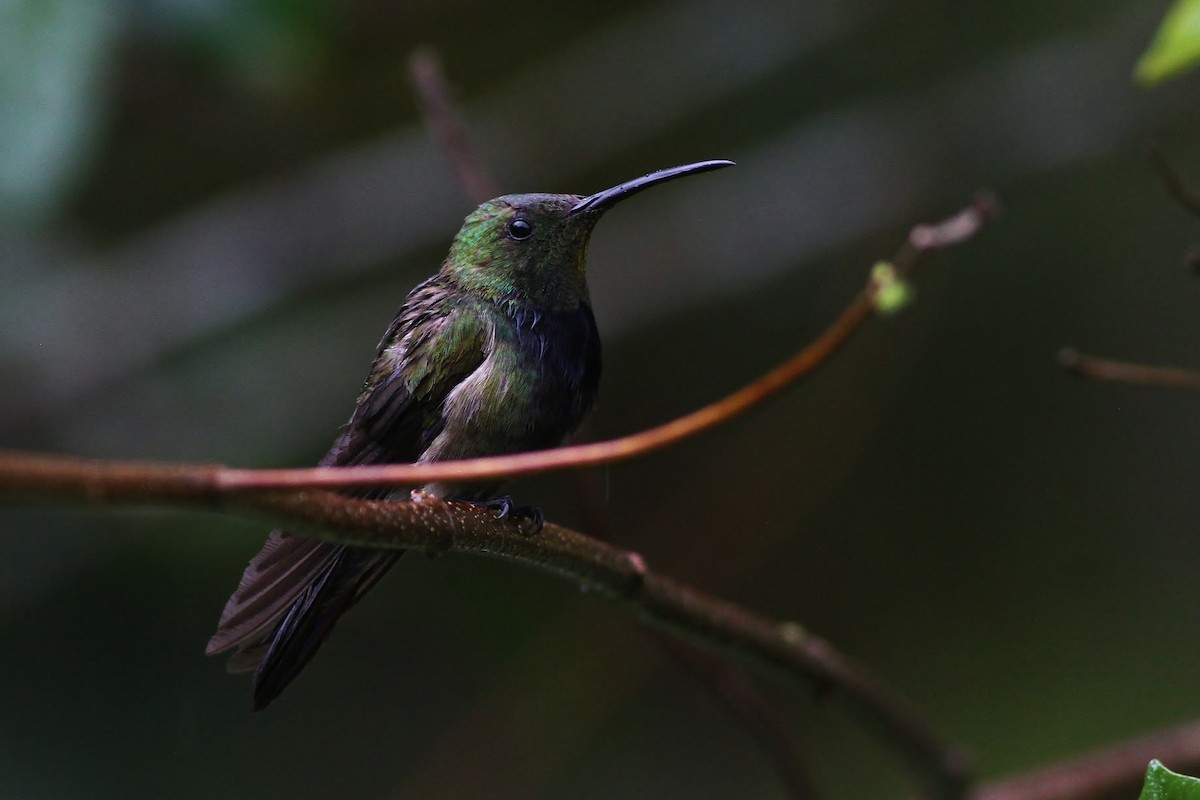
(529, 518)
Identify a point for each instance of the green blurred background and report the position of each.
(209, 212)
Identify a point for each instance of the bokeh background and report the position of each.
(209, 212)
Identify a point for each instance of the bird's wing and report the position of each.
(295, 588)
(433, 344)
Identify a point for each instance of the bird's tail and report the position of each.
(290, 596)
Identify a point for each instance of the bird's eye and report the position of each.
(519, 230)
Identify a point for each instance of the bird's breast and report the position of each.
(535, 385)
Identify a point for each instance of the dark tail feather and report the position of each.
(287, 602)
(300, 632)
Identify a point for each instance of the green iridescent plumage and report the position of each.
(496, 353)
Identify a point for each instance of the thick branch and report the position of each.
(435, 527)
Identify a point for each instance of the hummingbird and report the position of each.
(496, 353)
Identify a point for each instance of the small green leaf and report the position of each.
(1176, 46)
(891, 292)
(1162, 784)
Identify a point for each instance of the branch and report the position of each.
(208, 480)
(1108, 773)
(435, 527)
(214, 479)
(1101, 369)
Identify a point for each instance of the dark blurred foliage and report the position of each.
(209, 212)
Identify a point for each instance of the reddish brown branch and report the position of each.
(1101, 369)
(1108, 773)
(923, 239)
(434, 526)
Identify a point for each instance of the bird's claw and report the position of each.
(529, 518)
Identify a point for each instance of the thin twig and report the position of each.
(1102, 369)
(434, 526)
(1108, 773)
(1187, 197)
(922, 239)
(441, 117)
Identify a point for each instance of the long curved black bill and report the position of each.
(602, 200)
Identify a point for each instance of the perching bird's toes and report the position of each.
(529, 518)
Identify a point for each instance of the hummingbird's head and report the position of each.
(533, 247)
(524, 247)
